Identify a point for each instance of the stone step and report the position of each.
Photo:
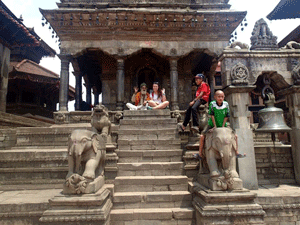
(126, 156)
(156, 121)
(149, 144)
(147, 131)
(43, 158)
(32, 173)
(150, 169)
(147, 114)
(148, 134)
(56, 135)
(152, 216)
(161, 199)
(34, 184)
(151, 183)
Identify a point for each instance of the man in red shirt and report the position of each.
(202, 96)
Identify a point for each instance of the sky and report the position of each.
(256, 9)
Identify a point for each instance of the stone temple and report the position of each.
(117, 45)
(146, 172)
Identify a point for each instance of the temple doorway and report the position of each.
(147, 75)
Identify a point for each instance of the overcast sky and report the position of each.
(256, 9)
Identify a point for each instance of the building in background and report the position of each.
(26, 88)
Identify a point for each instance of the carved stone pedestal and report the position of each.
(220, 183)
(84, 209)
(91, 187)
(226, 208)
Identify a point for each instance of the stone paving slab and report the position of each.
(25, 200)
(151, 214)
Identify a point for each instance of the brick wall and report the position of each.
(274, 165)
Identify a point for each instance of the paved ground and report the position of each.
(42, 196)
(27, 196)
(277, 191)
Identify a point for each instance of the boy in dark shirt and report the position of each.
(202, 96)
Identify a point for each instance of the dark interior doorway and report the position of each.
(147, 75)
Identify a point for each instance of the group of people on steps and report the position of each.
(218, 109)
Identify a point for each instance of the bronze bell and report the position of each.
(271, 119)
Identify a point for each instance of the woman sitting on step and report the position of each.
(158, 98)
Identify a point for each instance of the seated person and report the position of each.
(158, 98)
(202, 96)
(139, 98)
(219, 112)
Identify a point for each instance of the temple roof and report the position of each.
(30, 67)
(13, 32)
(293, 36)
(29, 70)
(23, 41)
(286, 9)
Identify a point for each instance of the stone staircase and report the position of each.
(39, 158)
(150, 187)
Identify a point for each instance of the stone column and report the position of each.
(120, 84)
(4, 67)
(64, 82)
(78, 90)
(174, 84)
(96, 97)
(88, 94)
(293, 102)
(238, 99)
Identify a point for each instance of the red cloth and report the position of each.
(206, 91)
(138, 98)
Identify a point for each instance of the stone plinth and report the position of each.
(226, 207)
(219, 184)
(92, 187)
(79, 209)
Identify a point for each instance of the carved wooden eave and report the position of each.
(174, 4)
(142, 5)
(143, 24)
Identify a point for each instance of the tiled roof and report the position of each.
(30, 67)
(286, 9)
(22, 35)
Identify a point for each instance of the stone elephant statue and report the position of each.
(221, 145)
(86, 151)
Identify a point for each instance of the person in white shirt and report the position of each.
(158, 98)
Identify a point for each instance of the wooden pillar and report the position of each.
(88, 94)
(78, 90)
(96, 96)
(4, 67)
(120, 84)
(64, 82)
(174, 84)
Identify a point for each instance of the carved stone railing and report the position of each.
(83, 117)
